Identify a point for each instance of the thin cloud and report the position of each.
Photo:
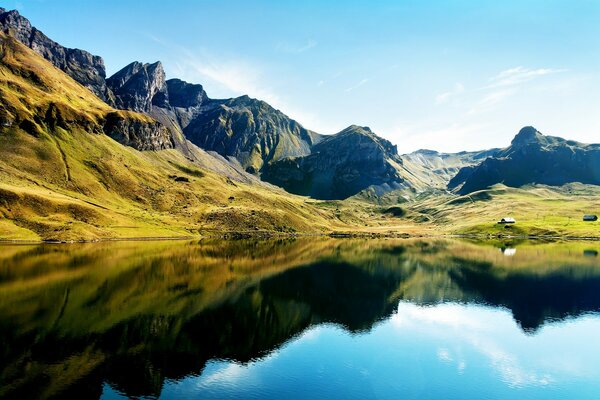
(445, 97)
(491, 99)
(290, 48)
(506, 84)
(518, 76)
(359, 84)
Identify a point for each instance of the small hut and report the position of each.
(590, 217)
(507, 220)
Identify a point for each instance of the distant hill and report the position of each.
(533, 158)
(436, 169)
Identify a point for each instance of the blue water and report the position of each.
(316, 318)
(448, 351)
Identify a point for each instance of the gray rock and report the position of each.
(250, 130)
(138, 134)
(139, 87)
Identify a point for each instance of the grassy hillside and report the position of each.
(63, 179)
(539, 210)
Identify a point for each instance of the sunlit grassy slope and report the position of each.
(66, 180)
(539, 210)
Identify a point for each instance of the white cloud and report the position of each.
(455, 136)
(505, 85)
(478, 327)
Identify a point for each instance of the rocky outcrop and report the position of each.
(249, 130)
(137, 133)
(339, 166)
(534, 158)
(85, 68)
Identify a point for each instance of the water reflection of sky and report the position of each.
(449, 351)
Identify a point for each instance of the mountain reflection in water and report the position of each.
(137, 316)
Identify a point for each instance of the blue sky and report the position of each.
(446, 75)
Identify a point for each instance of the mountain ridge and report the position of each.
(533, 158)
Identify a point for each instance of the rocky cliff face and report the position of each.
(534, 158)
(139, 134)
(139, 87)
(339, 166)
(82, 66)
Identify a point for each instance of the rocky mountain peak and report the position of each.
(85, 68)
(362, 136)
(526, 136)
(139, 86)
(185, 95)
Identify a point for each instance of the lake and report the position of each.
(300, 318)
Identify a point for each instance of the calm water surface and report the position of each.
(305, 318)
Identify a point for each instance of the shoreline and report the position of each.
(335, 235)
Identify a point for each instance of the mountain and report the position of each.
(437, 169)
(71, 168)
(339, 166)
(261, 139)
(249, 130)
(533, 158)
(85, 68)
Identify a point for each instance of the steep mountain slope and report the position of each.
(339, 166)
(533, 158)
(437, 169)
(64, 177)
(36, 97)
(249, 130)
(80, 65)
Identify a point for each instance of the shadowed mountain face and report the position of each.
(533, 158)
(132, 314)
(339, 166)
